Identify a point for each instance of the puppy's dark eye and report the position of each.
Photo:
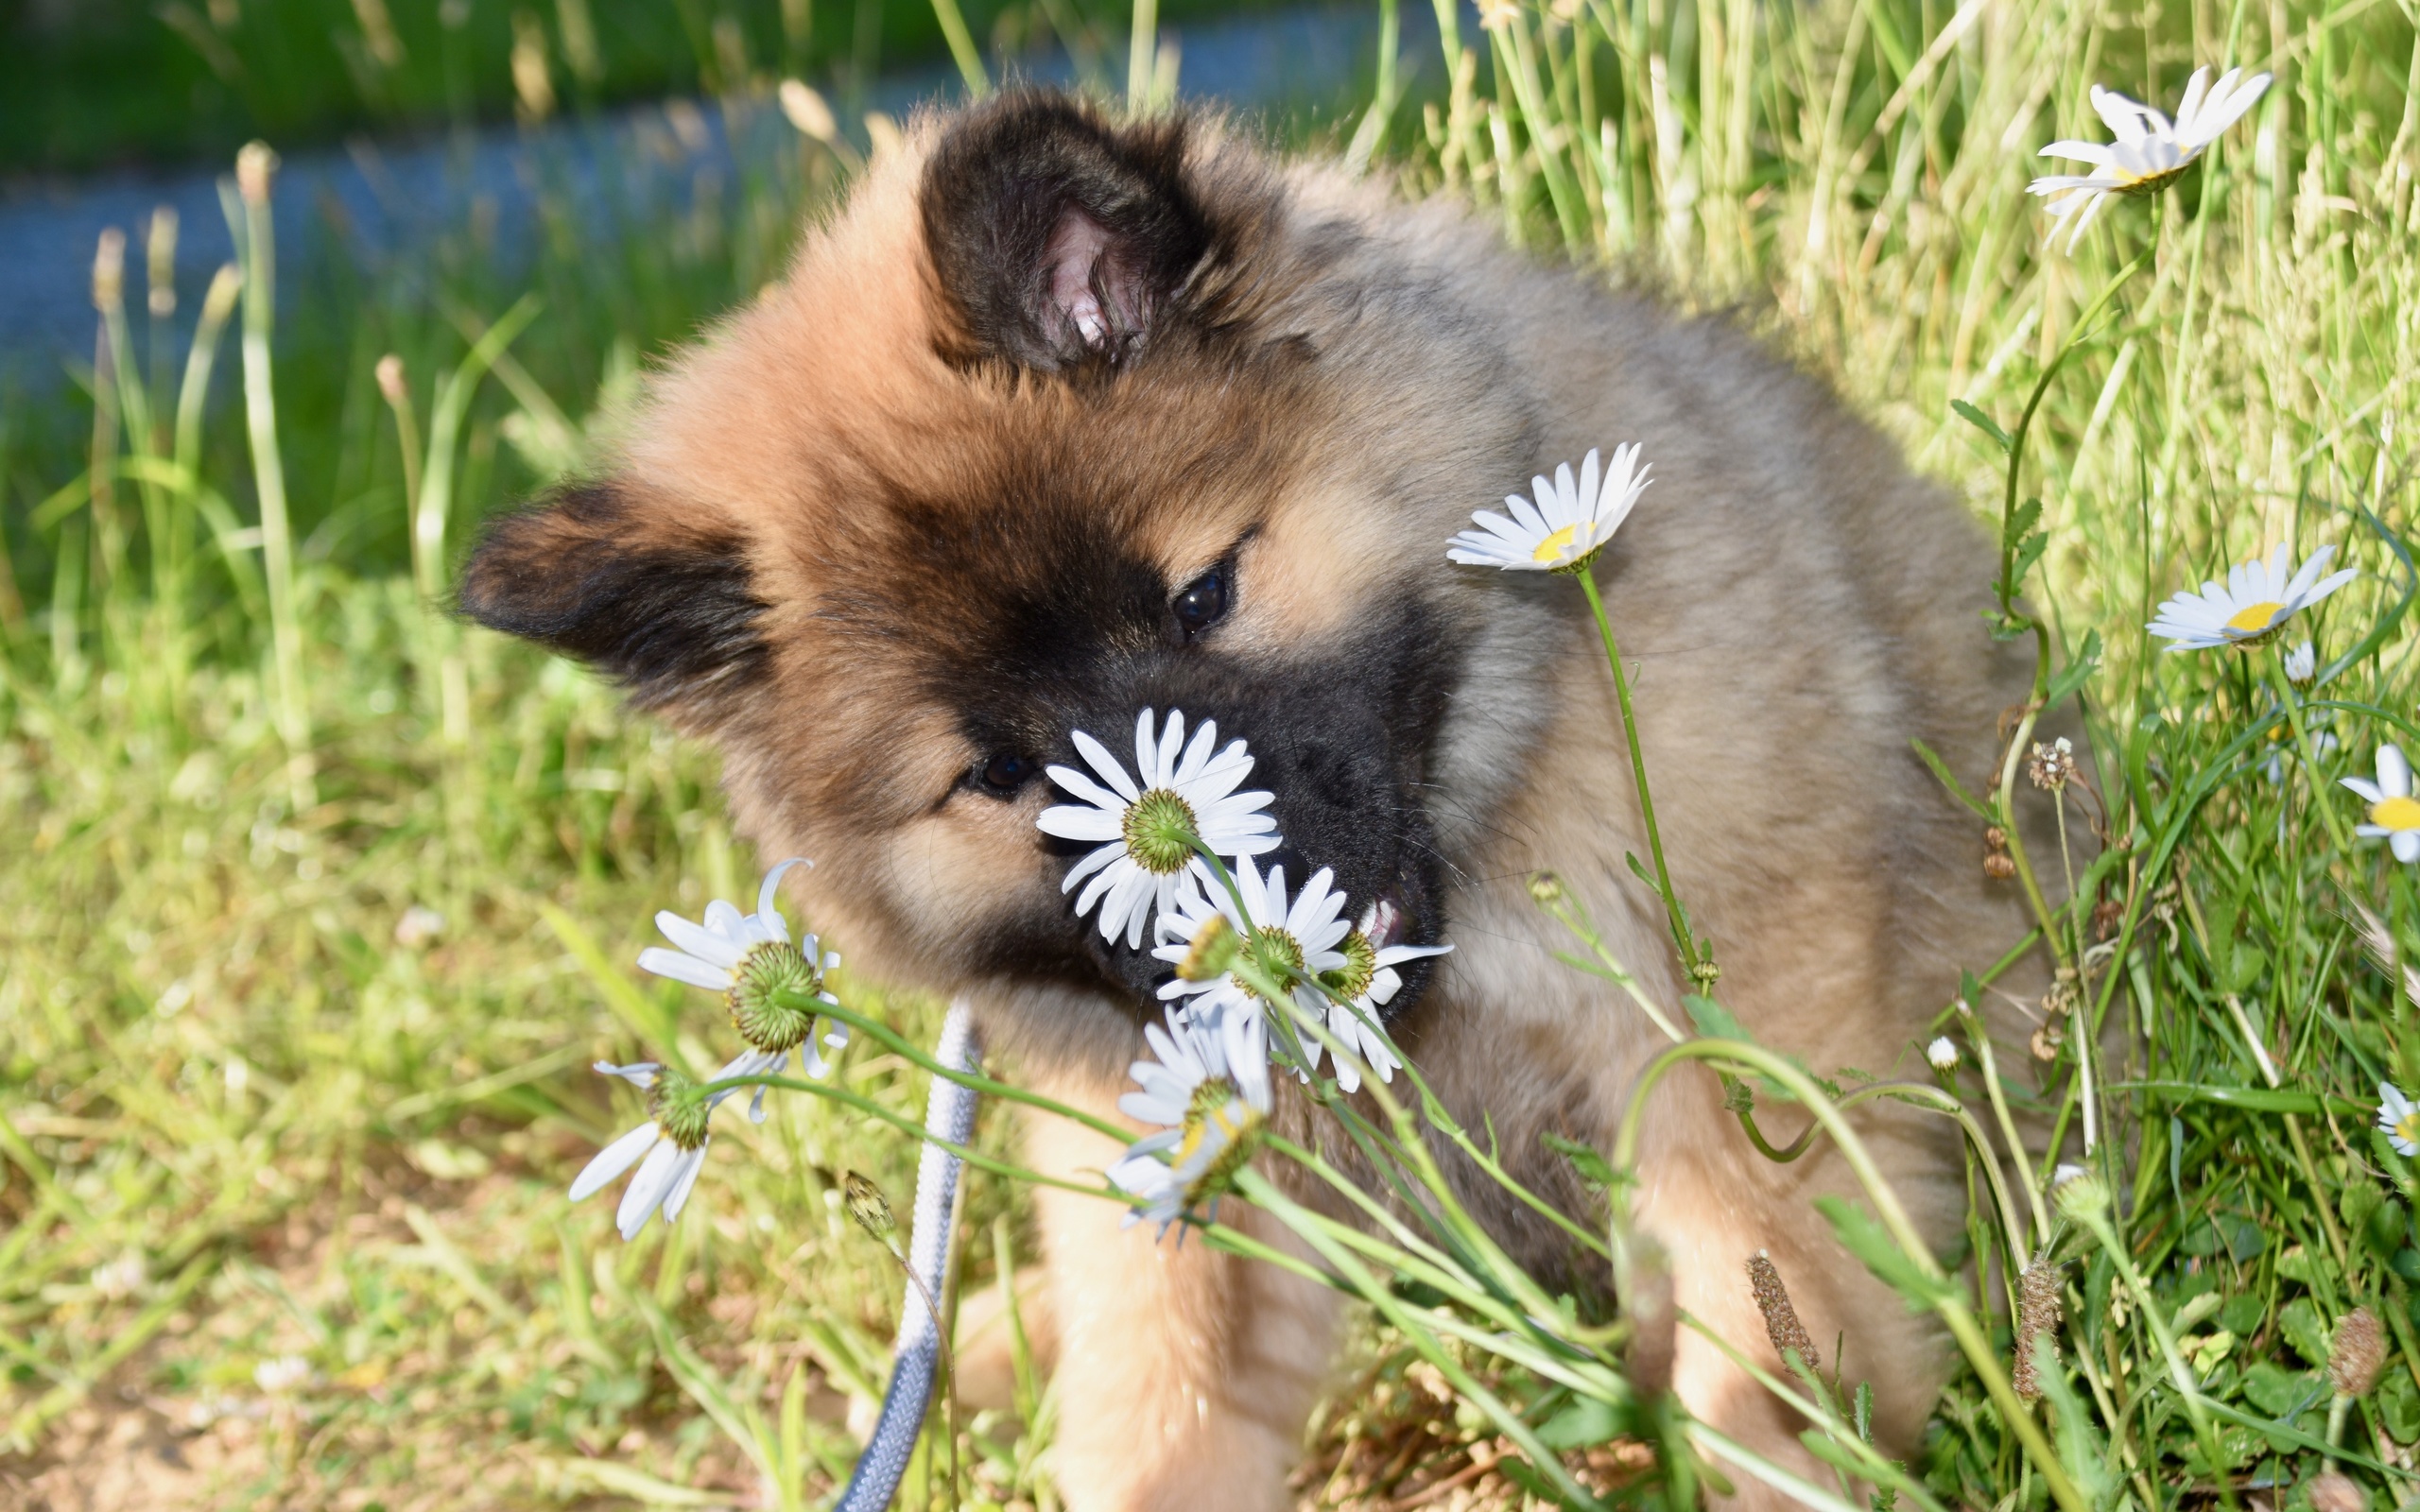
(1005, 773)
(1203, 603)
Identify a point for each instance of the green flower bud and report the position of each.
(2083, 1197)
(867, 1206)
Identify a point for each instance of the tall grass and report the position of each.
(101, 83)
(291, 1069)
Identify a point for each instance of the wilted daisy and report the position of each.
(2257, 598)
(1209, 1117)
(1367, 981)
(2302, 663)
(673, 1140)
(749, 960)
(1942, 1054)
(2394, 814)
(1278, 937)
(2150, 150)
(1145, 865)
(1565, 525)
(2398, 1119)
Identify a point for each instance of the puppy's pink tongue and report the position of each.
(1386, 923)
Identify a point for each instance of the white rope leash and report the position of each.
(950, 1114)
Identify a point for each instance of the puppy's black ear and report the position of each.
(667, 608)
(1057, 238)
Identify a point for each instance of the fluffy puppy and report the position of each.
(1062, 417)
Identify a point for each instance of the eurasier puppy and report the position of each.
(1061, 418)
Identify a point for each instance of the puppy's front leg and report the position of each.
(1184, 1375)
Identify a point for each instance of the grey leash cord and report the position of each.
(950, 1114)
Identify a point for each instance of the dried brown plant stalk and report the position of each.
(1781, 1319)
(2037, 1317)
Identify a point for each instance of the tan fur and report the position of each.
(1794, 605)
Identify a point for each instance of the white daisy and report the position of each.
(673, 1140)
(1941, 1053)
(282, 1374)
(2398, 1119)
(1208, 1115)
(2302, 663)
(748, 959)
(2150, 150)
(1565, 526)
(1276, 936)
(1144, 866)
(1367, 981)
(2394, 814)
(2257, 598)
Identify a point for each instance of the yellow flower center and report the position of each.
(1227, 1126)
(2144, 181)
(2407, 1129)
(2253, 618)
(1555, 547)
(2396, 814)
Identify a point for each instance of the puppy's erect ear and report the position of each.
(667, 608)
(1057, 238)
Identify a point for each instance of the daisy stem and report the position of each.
(1981, 1037)
(2005, 801)
(906, 1049)
(1690, 961)
(948, 1373)
(916, 1130)
(2274, 668)
(2006, 588)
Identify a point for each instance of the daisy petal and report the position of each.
(612, 1160)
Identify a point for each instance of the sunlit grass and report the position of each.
(248, 1119)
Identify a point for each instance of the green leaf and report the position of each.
(2299, 1322)
(2020, 524)
(1641, 872)
(1861, 1235)
(2029, 551)
(1586, 1421)
(1713, 1019)
(1942, 773)
(2277, 1391)
(2078, 670)
(1983, 422)
(2398, 1402)
(1584, 1159)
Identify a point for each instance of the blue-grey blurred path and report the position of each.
(387, 201)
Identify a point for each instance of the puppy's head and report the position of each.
(1057, 421)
